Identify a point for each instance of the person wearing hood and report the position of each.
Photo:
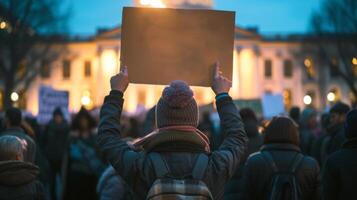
(233, 189)
(13, 121)
(177, 141)
(339, 175)
(17, 178)
(308, 130)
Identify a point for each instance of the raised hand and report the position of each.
(120, 81)
(220, 84)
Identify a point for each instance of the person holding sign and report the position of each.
(174, 160)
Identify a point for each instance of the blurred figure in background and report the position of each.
(82, 165)
(279, 165)
(308, 130)
(295, 114)
(17, 178)
(234, 187)
(316, 147)
(340, 171)
(13, 122)
(206, 126)
(55, 138)
(335, 137)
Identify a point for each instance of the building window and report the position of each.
(309, 66)
(66, 69)
(45, 70)
(287, 97)
(288, 68)
(268, 68)
(334, 67)
(87, 68)
(354, 66)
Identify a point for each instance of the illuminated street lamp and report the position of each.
(307, 62)
(3, 25)
(86, 100)
(307, 100)
(331, 96)
(354, 61)
(14, 97)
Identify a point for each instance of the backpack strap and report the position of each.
(296, 162)
(269, 158)
(159, 165)
(200, 167)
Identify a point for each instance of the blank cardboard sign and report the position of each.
(162, 45)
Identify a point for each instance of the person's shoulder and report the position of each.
(338, 155)
(255, 158)
(309, 162)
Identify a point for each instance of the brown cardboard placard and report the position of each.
(162, 45)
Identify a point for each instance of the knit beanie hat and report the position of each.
(351, 124)
(177, 106)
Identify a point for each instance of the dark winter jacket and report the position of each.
(138, 171)
(55, 139)
(340, 173)
(307, 140)
(30, 152)
(112, 187)
(18, 181)
(258, 172)
(233, 189)
(81, 168)
(333, 141)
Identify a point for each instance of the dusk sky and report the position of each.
(270, 16)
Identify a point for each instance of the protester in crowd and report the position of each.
(17, 178)
(308, 130)
(335, 137)
(340, 171)
(316, 147)
(82, 164)
(206, 126)
(55, 138)
(171, 152)
(279, 165)
(294, 114)
(112, 187)
(233, 189)
(13, 121)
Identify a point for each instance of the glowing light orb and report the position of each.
(14, 97)
(307, 100)
(331, 96)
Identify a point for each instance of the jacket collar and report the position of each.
(350, 143)
(280, 146)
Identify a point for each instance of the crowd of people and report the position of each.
(172, 154)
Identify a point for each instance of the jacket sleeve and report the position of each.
(329, 181)
(114, 149)
(226, 158)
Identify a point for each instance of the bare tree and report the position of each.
(29, 30)
(334, 39)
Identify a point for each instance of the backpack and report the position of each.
(171, 188)
(284, 185)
